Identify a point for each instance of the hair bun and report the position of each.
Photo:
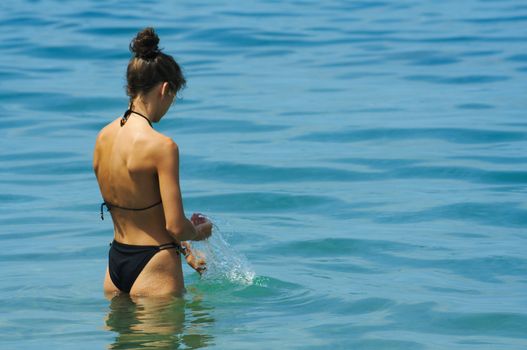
(144, 45)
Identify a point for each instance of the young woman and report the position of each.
(137, 169)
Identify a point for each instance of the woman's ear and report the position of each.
(165, 89)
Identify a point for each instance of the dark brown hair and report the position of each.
(150, 66)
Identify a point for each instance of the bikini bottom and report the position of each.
(127, 261)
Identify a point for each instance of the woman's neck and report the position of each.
(143, 107)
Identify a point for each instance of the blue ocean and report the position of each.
(364, 163)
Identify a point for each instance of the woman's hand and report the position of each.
(194, 260)
(203, 226)
(198, 218)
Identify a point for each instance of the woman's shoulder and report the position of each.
(163, 145)
(102, 141)
(108, 130)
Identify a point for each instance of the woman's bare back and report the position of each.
(126, 172)
(124, 162)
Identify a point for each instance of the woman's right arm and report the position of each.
(177, 225)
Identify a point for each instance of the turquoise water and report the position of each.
(364, 161)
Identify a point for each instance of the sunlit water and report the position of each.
(223, 263)
(364, 161)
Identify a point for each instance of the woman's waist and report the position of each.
(142, 235)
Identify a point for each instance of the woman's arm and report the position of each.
(177, 225)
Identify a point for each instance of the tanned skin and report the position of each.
(135, 167)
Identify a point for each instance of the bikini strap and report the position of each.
(110, 206)
(133, 209)
(175, 245)
(127, 114)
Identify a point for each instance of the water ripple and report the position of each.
(466, 79)
(502, 215)
(262, 202)
(494, 20)
(204, 126)
(368, 156)
(510, 324)
(255, 173)
(459, 135)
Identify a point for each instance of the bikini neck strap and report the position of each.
(129, 112)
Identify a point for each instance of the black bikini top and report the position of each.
(108, 205)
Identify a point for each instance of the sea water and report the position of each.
(364, 163)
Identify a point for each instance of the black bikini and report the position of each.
(125, 261)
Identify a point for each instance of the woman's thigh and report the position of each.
(109, 288)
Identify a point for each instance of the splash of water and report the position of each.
(223, 262)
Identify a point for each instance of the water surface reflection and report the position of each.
(159, 323)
